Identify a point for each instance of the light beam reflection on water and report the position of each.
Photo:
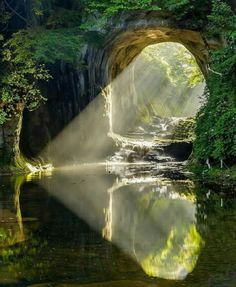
(152, 220)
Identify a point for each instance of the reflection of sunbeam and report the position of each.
(152, 221)
(178, 253)
(84, 191)
(119, 183)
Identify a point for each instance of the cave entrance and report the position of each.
(146, 86)
(156, 98)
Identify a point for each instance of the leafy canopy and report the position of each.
(216, 128)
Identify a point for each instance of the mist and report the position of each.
(146, 88)
(151, 219)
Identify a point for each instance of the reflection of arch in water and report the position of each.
(156, 226)
(145, 217)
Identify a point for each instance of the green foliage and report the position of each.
(24, 57)
(64, 18)
(216, 127)
(216, 176)
(3, 117)
(42, 7)
(175, 77)
(221, 19)
(23, 255)
(213, 16)
(107, 9)
(181, 67)
(184, 130)
(112, 7)
(178, 8)
(45, 45)
(189, 14)
(19, 81)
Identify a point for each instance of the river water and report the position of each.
(134, 220)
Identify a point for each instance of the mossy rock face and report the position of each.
(12, 164)
(184, 130)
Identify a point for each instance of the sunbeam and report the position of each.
(127, 131)
(146, 90)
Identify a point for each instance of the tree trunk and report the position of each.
(11, 130)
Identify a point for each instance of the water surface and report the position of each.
(92, 226)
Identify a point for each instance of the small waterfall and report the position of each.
(145, 147)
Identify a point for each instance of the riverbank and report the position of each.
(223, 179)
(25, 167)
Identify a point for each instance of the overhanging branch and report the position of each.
(15, 12)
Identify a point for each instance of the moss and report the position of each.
(12, 164)
(184, 130)
(23, 165)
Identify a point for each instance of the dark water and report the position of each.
(91, 227)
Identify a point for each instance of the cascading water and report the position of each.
(144, 148)
(145, 105)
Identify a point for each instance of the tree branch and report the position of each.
(15, 12)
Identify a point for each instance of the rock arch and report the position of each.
(132, 33)
(72, 89)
